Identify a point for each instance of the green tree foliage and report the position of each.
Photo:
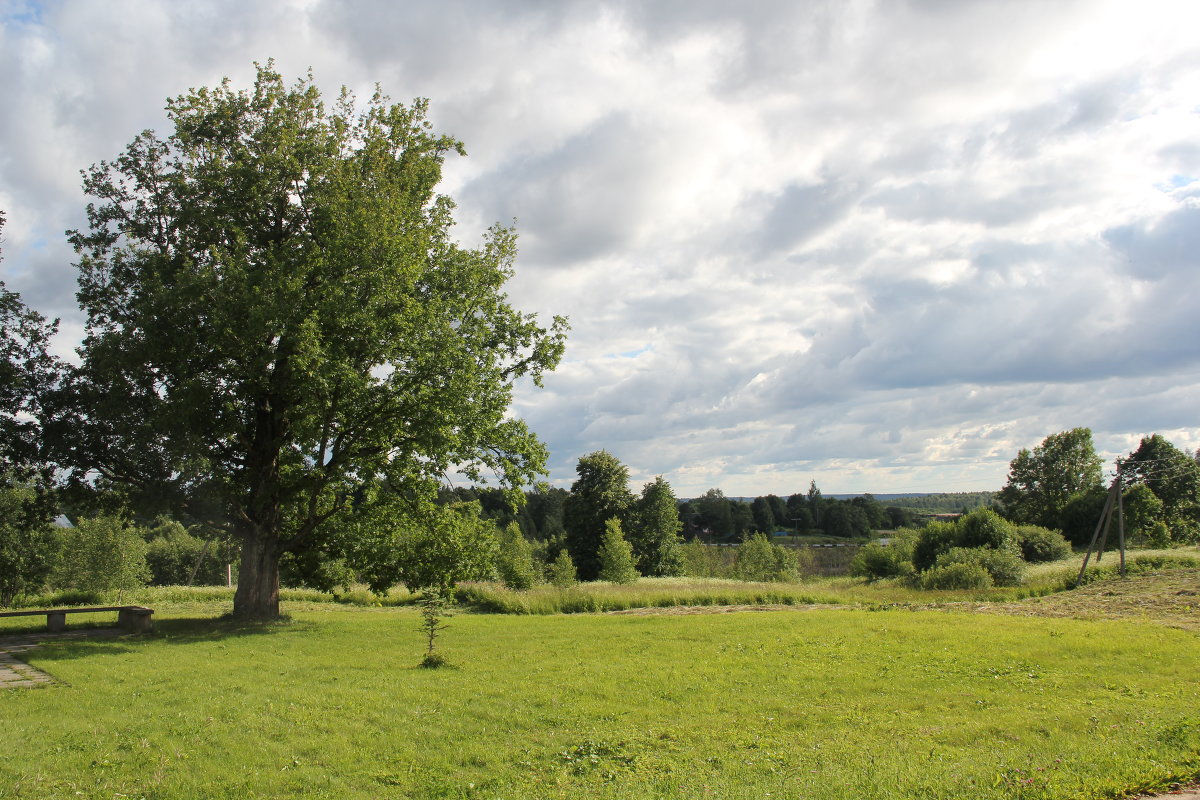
(894, 560)
(101, 554)
(741, 517)
(934, 539)
(1040, 544)
(1143, 514)
(715, 513)
(514, 560)
(799, 518)
(616, 556)
(654, 530)
(957, 575)
(779, 512)
(1042, 481)
(28, 373)
(764, 516)
(28, 546)
(985, 528)
(1004, 567)
(435, 607)
(758, 559)
(561, 572)
(425, 547)
(600, 493)
(1174, 477)
(315, 569)
(1080, 514)
(946, 502)
(847, 520)
(176, 557)
(816, 505)
(278, 316)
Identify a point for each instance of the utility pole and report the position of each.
(1114, 499)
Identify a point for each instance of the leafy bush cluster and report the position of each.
(976, 551)
(758, 559)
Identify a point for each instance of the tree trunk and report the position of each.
(257, 595)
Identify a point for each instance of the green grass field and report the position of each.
(842, 702)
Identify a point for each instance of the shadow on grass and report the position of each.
(107, 640)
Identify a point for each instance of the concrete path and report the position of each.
(16, 674)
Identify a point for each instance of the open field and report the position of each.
(830, 703)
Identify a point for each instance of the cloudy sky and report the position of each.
(882, 245)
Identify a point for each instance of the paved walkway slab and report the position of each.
(16, 674)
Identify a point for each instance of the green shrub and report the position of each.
(702, 560)
(561, 572)
(514, 561)
(1158, 534)
(102, 554)
(958, 575)
(875, 561)
(985, 528)
(1040, 545)
(28, 546)
(758, 559)
(616, 555)
(173, 555)
(1004, 567)
(934, 539)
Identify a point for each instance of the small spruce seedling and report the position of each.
(434, 609)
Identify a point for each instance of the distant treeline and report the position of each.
(713, 516)
(947, 502)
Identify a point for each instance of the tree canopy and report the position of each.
(281, 329)
(28, 372)
(1041, 481)
(600, 493)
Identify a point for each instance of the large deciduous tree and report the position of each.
(1174, 478)
(1042, 481)
(654, 530)
(280, 326)
(27, 373)
(600, 493)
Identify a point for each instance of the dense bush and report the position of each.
(985, 528)
(1080, 515)
(101, 554)
(1004, 567)
(893, 560)
(707, 561)
(758, 559)
(28, 546)
(1039, 545)
(957, 575)
(174, 555)
(561, 572)
(934, 539)
(616, 555)
(514, 560)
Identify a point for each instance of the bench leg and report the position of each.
(135, 622)
(56, 623)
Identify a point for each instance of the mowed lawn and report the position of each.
(783, 704)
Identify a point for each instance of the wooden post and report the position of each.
(1120, 519)
(1104, 517)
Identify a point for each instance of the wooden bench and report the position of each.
(136, 619)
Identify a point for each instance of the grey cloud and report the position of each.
(1171, 244)
(800, 212)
